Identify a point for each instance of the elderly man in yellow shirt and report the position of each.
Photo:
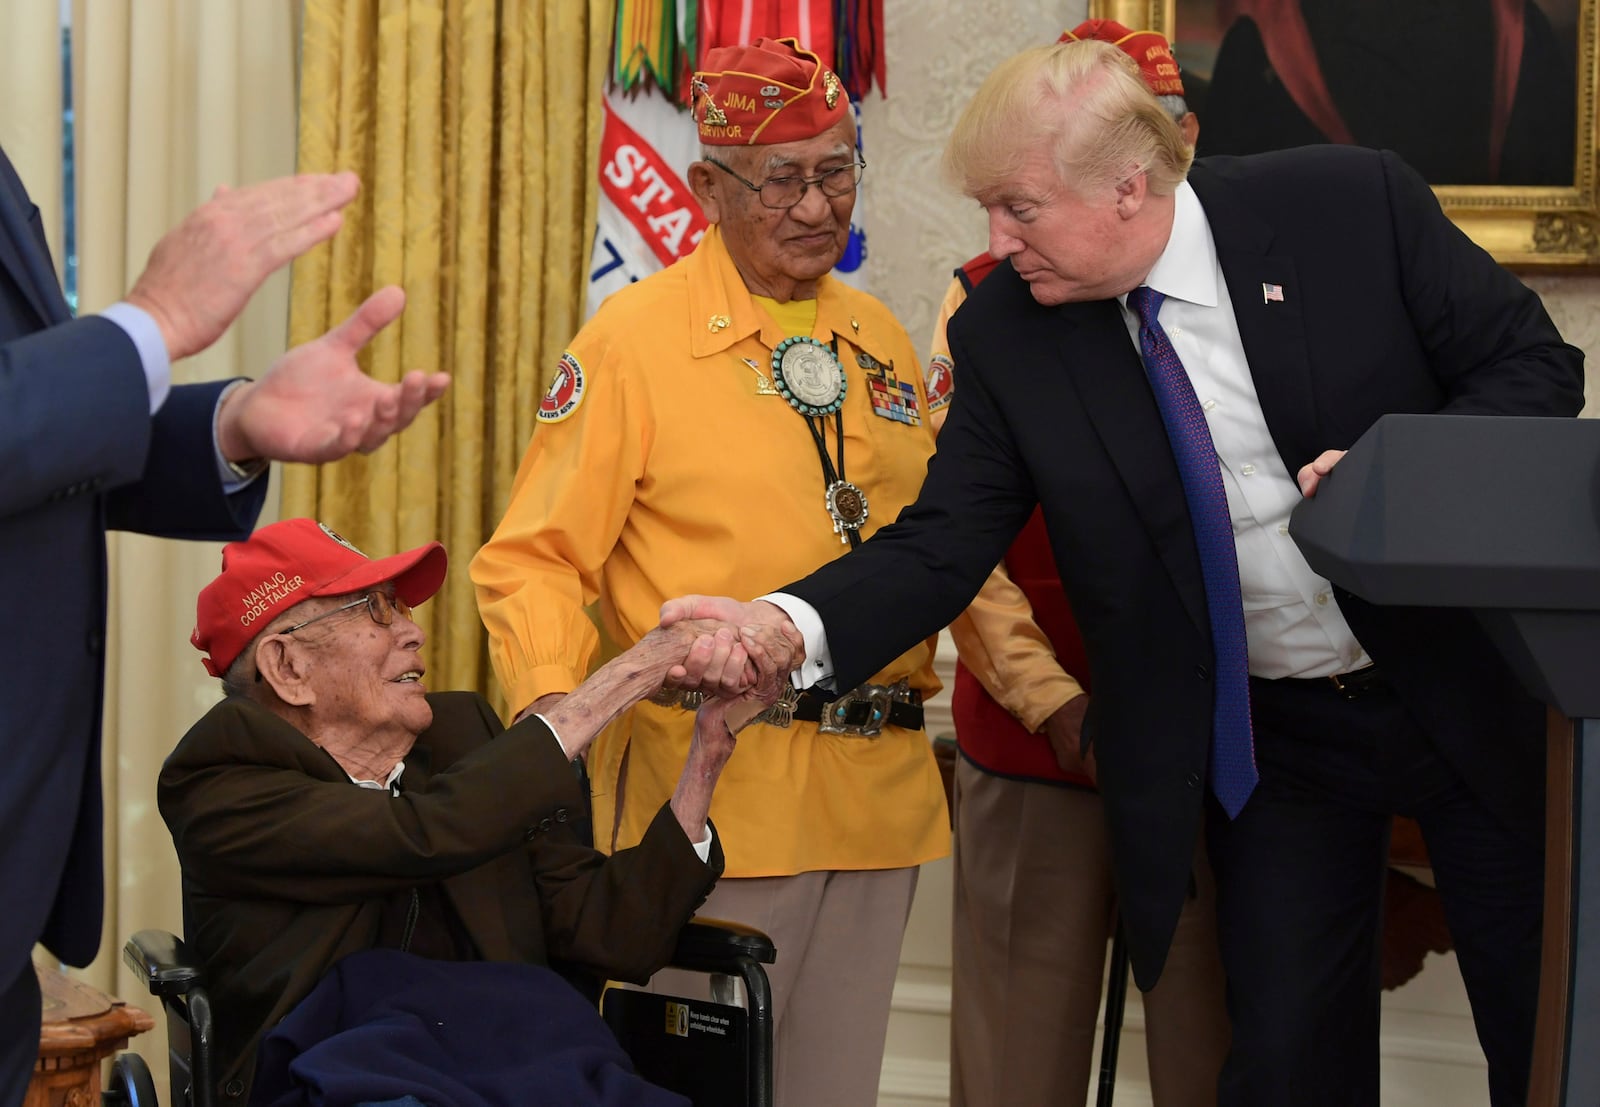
(629, 495)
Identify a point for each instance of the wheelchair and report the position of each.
(717, 1054)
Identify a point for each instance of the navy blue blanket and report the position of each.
(382, 1025)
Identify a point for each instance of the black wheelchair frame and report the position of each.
(164, 964)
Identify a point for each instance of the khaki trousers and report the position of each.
(1034, 908)
(838, 940)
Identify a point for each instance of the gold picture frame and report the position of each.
(1523, 227)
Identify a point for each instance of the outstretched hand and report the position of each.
(202, 273)
(316, 404)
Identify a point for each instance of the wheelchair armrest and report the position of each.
(161, 960)
(715, 945)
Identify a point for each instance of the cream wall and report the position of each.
(918, 231)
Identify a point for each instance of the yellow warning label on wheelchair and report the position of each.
(677, 1019)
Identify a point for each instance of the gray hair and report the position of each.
(242, 680)
(1174, 105)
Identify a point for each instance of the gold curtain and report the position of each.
(474, 125)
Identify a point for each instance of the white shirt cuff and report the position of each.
(137, 324)
(819, 662)
(703, 849)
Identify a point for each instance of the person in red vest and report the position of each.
(1034, 904)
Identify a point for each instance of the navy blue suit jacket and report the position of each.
(1386, 307)
(79, 453)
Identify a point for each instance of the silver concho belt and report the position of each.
(862, 712)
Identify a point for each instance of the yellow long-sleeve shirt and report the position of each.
(666, 464)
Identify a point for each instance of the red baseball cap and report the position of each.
(280, 565)
(1148, 48)
(772, 91)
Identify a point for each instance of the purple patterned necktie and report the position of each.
(1233, 763)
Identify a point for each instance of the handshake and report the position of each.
(739, 655)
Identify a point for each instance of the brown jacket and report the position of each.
(287, 864)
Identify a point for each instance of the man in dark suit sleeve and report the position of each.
(1304, 294)
(93, 437)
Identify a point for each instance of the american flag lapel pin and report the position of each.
(1271, 292)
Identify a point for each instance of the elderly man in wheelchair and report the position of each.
(329, 807)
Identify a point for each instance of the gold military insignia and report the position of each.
(830, 88)
(763, 382)
(712, 117)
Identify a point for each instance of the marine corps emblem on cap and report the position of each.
(710, 114)
(772, 91)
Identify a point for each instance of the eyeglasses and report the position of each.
(380, 606)
(785, 192)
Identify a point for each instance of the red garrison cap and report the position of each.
(772, 91)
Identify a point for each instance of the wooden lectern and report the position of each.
(1501, 515)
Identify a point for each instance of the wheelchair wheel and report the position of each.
(131, 1084)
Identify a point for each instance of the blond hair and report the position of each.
(1083, 101)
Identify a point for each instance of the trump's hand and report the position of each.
(202, 273)
(767, 638)
(1311, 475)
(315, 404)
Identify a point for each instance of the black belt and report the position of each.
(1352, 685)
(856, 711)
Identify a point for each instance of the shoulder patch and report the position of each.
(940, 382)
(566, 391)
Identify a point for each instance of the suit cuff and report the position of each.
(556, 735)
(142, 330)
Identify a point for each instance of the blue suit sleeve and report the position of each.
(74, 414)
(179, 493)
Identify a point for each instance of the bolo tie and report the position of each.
(808, 375)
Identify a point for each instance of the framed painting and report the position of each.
(1493, 101)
